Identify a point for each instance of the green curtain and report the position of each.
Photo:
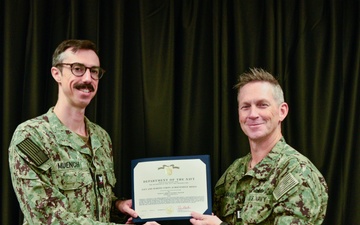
(171, 66)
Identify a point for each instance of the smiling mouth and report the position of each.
(87, 88)
(254, 124)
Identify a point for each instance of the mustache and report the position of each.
(84, 86)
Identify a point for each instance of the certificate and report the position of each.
(170, 188)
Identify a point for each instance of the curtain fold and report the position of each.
(170, 70)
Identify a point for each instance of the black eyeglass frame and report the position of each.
(72, 68)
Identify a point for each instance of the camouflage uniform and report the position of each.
(57, 177)
(284, 188)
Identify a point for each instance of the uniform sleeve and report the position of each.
(219, 194)
(301, 197)
(40, 201)
(224, 202)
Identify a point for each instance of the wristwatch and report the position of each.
(223, 223)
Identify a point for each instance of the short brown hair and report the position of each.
(75, 45)
(258, 74)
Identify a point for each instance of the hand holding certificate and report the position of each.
(170, 188)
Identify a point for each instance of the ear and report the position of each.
(55, 72)
(283, 111)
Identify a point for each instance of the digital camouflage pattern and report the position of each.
(284, 188)
(57, 178)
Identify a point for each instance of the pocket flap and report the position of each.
(72, 180)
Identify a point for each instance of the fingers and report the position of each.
(130, 212)
(196, 215)
(197, 218)
(129, 221)
(151, 223)
(195, 221)
(125, 207)
(200, 219)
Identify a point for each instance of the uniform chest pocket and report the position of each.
(225, 204)
(110, 175)
(72, 180)
(257, 207)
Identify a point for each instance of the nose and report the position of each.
(253, 112)
(87, 75)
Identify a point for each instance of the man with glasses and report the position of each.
(61, 163)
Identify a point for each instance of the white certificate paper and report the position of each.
(170, 188)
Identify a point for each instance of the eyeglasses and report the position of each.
(79, 69)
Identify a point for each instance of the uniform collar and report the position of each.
(69, 138)
(265, 167)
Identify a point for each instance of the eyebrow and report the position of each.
(256, 101)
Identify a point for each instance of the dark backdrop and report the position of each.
(171, 66)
